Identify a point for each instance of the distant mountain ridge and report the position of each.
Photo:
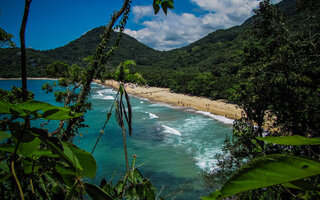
(73, 53)
(218, 53)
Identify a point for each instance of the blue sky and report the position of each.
(54, 23)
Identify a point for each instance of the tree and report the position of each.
(49, 165)
(278, 91)
(5, 39)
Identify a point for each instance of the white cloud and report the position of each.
(171, 31)
(167, 32)
(235, 10)
(141, 11)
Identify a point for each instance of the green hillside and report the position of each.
(73, 53)
(206, 67)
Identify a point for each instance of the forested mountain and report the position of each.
(206, 67)
(74, 53)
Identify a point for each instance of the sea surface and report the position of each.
(172, 144)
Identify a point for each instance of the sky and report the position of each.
(54, 23)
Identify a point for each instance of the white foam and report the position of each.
(170, 130)
(106, 91)
(144, 99)
(220, 118)
(99, 93)
(152, 116)
(102, 97)
(206, 161)
(108, 98)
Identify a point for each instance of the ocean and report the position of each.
(173, 145)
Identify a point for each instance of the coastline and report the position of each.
(164, 95)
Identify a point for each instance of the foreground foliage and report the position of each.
(38, 164)
(279, 91)
(273, 169)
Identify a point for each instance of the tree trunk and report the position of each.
(23, 51)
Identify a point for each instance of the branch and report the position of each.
(98, 59)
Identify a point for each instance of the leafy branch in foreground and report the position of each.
(46, 164)
(164, 4)
(278, 90)
(121, 111)
(132, 186)
(274, 169)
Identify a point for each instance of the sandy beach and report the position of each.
(164, 95)
(217, 107)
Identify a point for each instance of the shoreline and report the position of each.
(164, 95)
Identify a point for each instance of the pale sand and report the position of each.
(218, 107)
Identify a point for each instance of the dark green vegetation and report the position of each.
(279, 90)
(5, 39)
(207, 67)
(38, 164)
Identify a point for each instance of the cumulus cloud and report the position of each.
(171, 31)
(141, 11)
(176, 30)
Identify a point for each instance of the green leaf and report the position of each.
(17, 131)
(44, 153)
(7, 148)
(96, 192)
(49, 113)
(86, 160)
(4, 167)
(72, 191)
(59, 115)
(108, 188)
(28, 166)
(67, 152)
(267, 171)
(33, 106)
(28, 148)
(4, 135)
(119, 187)
(156, 7)
(25, 148)
(291, 140)
(68, 175)
(301, 185)
(170, 4)
(164, 6)
(5, 107)
(47, 110)
(61, 148)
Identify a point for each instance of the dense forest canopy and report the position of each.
(212, 61)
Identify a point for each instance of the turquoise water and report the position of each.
(174, 144)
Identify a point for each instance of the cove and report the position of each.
(173, 145)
